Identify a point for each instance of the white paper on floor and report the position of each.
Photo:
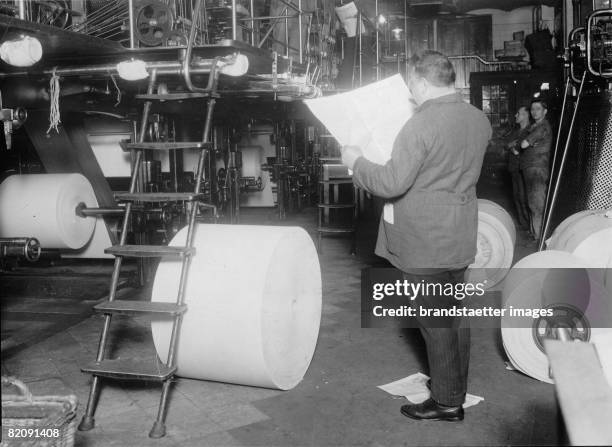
(603, 345)
(414, 388)
(510, 366)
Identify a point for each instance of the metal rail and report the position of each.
(200, 66)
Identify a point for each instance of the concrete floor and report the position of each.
(337, 403)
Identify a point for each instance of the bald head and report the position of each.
(434, 67)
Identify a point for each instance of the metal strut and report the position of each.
(553, 201)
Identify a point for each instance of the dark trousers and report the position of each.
(536, 183)
(520, 198)
(447, 340)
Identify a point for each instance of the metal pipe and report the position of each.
(377, 41)
(283, 44)
(360, 49)
(186, 66)
(435, 34)
(554, 162)
(480, 59)
(291, 5)
(22, 9)
(287, 37)
(131, 23)
(255, 19)
(406, 37)
(202, 66)
(234, 23)
(300, 32)
(562, 165)
(83, 211)
(252, 22)
(272, 25)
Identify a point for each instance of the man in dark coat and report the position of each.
(431, 182)
(534, 163)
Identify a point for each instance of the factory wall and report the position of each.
(507, 22)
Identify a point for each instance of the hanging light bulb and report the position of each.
(24, 51)
(132, 70)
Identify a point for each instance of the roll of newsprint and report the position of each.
(587, 235)
(495, 249)
(253, 305)
(43, 206)
(564, 284)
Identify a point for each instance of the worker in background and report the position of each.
(518, 134)
(534, 163)
(431, 182)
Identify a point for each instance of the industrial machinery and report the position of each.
(12, 119)
(23, 247)
(143, 103)
(586, 157)
(84, 49)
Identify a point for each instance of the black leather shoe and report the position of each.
(432, 411)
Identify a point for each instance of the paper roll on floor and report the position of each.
(495, 249)
(587, 235)
(43, 206)
(542, 280)
(254, 305)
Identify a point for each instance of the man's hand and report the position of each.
(350, 154)
(524, 144)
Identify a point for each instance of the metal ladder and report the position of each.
(130, 369)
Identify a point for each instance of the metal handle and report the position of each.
(572, 34)
(25, 392)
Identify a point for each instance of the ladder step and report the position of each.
(158, 196)
(336, 229)
(140, 307)
(164, 146)
(336, 205)
(336, 182)
(149, 251)
(130, 369)
(172, 96)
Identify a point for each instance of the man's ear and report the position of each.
(426, 85)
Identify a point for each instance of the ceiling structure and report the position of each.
(433, 7)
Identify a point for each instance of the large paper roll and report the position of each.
(495, 245)
(43, 206)
(587, 235)
(542, 280)
(254, 305)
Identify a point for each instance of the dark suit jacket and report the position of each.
(537, 155)
(431, 180)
